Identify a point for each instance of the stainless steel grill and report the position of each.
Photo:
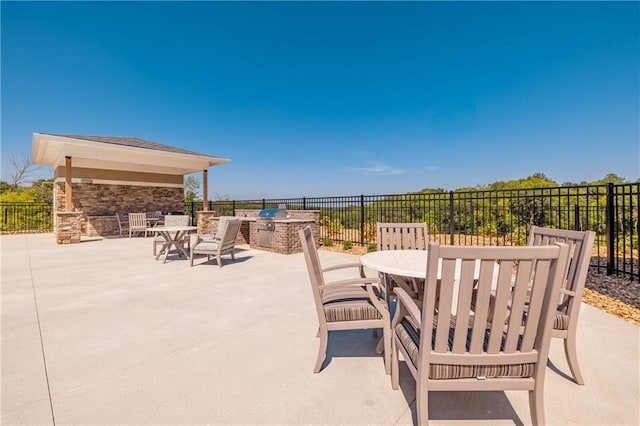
(265, 224)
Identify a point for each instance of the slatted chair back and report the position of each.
(228, 239)
(177, 220)
(137, 223)
(123, 224)
(458, 347)
(402, 236)
(222, 226)
(217, 247)
(566, 320)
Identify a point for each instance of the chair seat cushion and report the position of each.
(351, 309)
(205, 246)
(409, 337)
(560, 321)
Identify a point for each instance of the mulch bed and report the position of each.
(615, 295)
(618, 296)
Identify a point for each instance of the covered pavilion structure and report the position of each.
(97, 177)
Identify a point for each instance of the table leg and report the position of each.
(180, 247)
(167, 250)
(167, 245)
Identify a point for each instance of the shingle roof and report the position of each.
(132, 142)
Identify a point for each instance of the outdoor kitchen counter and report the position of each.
(253, 219)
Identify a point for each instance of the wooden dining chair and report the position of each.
(346, 304)
(448, 345)
(137, 223)
(402, 236)
(566, 316)
(123, 223)
(224, 243)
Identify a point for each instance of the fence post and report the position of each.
(264, 204)
(576, 217)
(304, 203)
(361, 219)
(233, 206)
(451, 227)
(610, 230)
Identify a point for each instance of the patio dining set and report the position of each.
(463, 318)
(177, 232)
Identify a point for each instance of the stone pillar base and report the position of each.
(205, 222)
(68, 227)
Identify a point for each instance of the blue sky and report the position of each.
(323, 98)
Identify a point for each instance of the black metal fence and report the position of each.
(25, 217)
(499, 217)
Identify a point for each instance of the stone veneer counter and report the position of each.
(285, 235)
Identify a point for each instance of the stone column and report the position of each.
(205, 222)
(69, 227)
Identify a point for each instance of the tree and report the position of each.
(191, 189)
(23, 169)
(610, 178)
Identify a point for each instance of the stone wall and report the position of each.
(69, 226)
(106, 200)
(205, 222)
(94, 226)
(100, 202)
(285, 237)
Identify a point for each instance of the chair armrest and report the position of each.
(350, 281)
(342, 266)
(194, 239)
(407, 305)
(345, 266)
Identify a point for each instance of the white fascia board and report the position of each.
(120, 157)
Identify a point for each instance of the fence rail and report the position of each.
(498, 217)
(18, 218)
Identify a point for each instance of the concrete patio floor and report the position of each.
(101, 333)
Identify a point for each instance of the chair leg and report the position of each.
(395, 366)
(422, 403)
(386, 336)
(536, 404)
(572, 358)
(322, 350)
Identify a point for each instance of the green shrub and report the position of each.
(347, 245)
(370, 231)
(372, 247)
(327, 242)
(332, 227)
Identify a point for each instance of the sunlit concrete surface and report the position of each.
(102, 333)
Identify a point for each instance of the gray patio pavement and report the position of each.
(101, 333)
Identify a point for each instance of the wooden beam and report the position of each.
(67, 185)
(205, 190)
